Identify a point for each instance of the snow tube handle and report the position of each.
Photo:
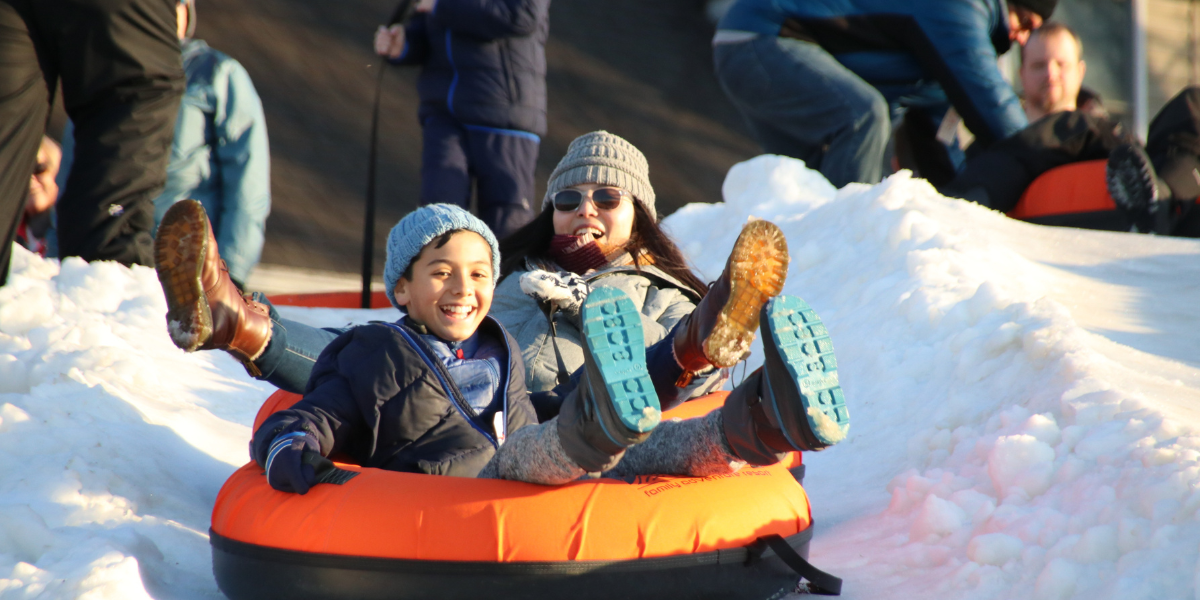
(326, 471)
(820, 582)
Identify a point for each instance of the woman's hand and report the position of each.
(389, 41)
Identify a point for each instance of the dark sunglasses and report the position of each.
(604, 198)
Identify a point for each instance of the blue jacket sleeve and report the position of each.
(243, 157)
(957, 50)
(338, 399)
(491, 19)
(416, 42)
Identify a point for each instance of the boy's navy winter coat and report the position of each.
(379, 397)
(484, 62)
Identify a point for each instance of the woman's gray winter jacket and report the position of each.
(662, 300)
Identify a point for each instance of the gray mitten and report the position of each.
(564, 290)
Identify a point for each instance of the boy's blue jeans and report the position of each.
(292, 350)
(294, 347)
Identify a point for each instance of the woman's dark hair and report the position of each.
(530, 241)
(533, 240)
(648, 236)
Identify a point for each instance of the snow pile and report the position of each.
(1023, 402)
(1003, 445)
(115, 442)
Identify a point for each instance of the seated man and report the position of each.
(1063, 132)
(1051, 73)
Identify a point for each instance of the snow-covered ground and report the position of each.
(1024, 401)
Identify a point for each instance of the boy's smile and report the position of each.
(451, 287)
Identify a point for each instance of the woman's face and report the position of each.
(610, 228)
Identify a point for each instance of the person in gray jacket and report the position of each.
(598, 228)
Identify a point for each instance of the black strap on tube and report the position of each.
(820, 582)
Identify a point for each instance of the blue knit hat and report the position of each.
(422, 226)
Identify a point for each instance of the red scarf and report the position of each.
(576, 255)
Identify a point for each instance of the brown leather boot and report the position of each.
(719, 332)
(205, 310)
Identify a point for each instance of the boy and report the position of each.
(438, 391)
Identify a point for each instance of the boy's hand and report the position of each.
(425, 6)
(389, 41)
(286, 469)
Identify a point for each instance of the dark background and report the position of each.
(639, 68)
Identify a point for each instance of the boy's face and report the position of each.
(451, 288)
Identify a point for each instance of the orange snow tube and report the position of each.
(384, 534)
(1073, 195)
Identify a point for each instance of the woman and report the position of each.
(598, 227)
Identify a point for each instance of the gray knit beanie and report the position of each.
(422, 226)
(606, 159)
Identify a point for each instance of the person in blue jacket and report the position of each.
(820, 80)
(220, 156)
(483, 101)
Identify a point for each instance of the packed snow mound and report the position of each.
(1023, 400)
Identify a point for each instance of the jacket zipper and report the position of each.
(448, 385)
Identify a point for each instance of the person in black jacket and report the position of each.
(122, 81)
(483, 101)
(442, 390)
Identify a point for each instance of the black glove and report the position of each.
(287, 471)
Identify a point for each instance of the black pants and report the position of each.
(501, 163)
(122, 81)
(999, 176)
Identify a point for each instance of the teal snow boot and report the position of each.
(794, 403)
(615, 405)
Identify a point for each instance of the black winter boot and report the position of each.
(614, 405)
(1137, 190)
(794, 403)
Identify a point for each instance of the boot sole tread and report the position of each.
(179, 249)
(759, 264)
(612, 329)
(805, 350)
(1128, 180)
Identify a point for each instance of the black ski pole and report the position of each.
(402, 14)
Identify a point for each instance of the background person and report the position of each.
(43, 194)
(122, 80)
(1052, 73)
(483, 101)
(220, 155)
(819, 80)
